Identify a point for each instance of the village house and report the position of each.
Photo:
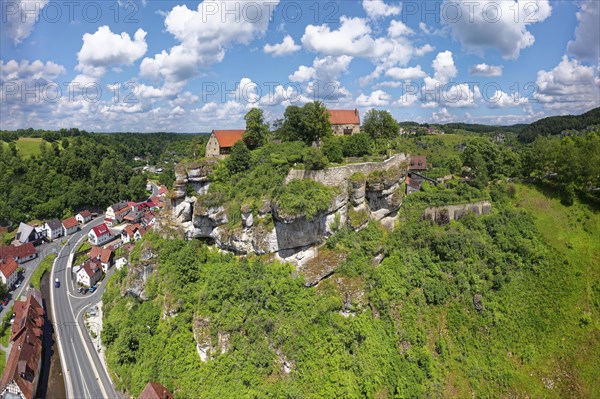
(133, 217)
(22, 253)
(163, 191)
(84, 216)
(27, 233)
(154, 390)
(220, 142)
(54, 229)
(8, 272)
(99, 235)
(89, 273)
(132, 233)
(149, 219)
(23, 366)
(417, 163)
(71, 225)
(104, 255)
(344, 122)
(112, 210)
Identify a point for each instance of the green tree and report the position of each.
(257, 129)
(357, 145)
(332, 149)
(380, 123)
(314, 159)
(309, 123)
(239, 159)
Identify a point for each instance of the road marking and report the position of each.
(78, 326)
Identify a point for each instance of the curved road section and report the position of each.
(84, 373)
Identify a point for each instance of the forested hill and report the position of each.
(556, 124)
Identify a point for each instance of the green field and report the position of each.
(29, 146)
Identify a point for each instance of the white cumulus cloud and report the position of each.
(586, 45)
(378, 8)
(19, 17)
(286, 47)
(485, 70)
(501, 25)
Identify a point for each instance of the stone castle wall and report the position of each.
(338, 175)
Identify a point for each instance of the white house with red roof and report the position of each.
(84, 216)
(344, 122)
(220, 142)
(70, 225)
(21, 253)
(8, 272)
(89, 273)
(99, 235)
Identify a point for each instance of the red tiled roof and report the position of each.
(21, 251)
(344, 116)
(418, 163)
(85, 213)
(22, 365)
(105, 255)
(9, 267)
(101, 230)
(91, 267)
(227, 138)
(70, 223)
(94, 252)
(163, 190)
(154, 390)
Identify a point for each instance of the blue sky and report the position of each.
(190, 66)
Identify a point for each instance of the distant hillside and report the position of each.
(556, 124)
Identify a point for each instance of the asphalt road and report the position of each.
(84, 373)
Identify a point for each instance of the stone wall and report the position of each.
(338, 175)
(444, 214)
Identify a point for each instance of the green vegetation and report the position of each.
(44, 267)
(94, 170)
(379, 124)
(485, 306)
(555, 125)
(304, 198)
(309, 123)
(29, 146)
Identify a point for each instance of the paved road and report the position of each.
(84, 373)
(155, 189)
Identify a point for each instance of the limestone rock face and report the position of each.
(444, 214)
(374, 195)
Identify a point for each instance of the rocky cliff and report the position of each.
(367, 191)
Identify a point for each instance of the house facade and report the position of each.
(8, 272)
(84, 216)
(99, 235)
(89, 273)
(27, 233)
(220, 142)
(70, 225)
(344, 122)
(54, 229)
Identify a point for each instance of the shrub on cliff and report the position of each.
(304, 197)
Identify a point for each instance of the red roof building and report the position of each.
(23, 366)
(220, 142)
(21, 253)
(344, 121)
(418, 163)
(99, 234)
(8, 271)
(154, 390)
(71, 225)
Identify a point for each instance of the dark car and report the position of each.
(56, 283)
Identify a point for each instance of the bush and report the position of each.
(332, 149)
(314, 159)
(304, 197)
(357, 145)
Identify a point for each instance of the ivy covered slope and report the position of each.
(501, 305)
